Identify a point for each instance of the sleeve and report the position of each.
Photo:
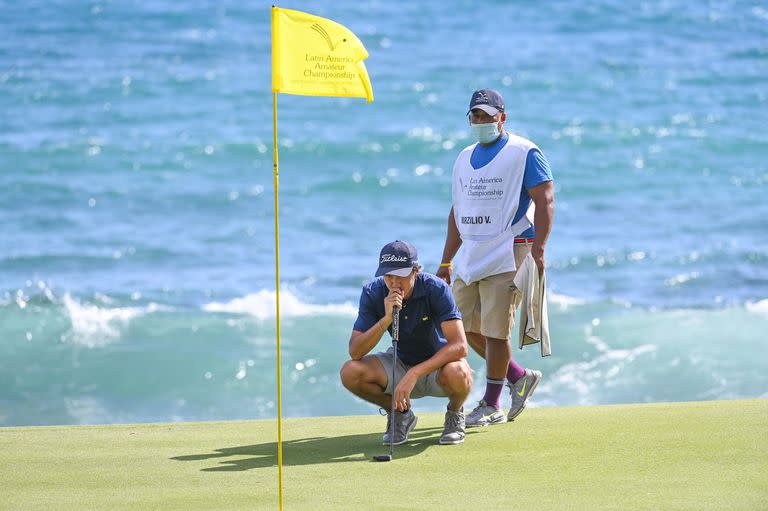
(441, 301)
(366, 312)
(537, 169)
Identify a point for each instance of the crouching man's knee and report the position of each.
(352, 374)
(456, 377)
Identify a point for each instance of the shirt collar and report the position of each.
(419, 289)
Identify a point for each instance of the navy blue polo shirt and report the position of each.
(420, 334)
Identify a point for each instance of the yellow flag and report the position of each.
(314, 56)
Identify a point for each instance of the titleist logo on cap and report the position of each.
(391, 258)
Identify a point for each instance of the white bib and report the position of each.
(484, 203)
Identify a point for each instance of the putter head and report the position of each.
(383, 457)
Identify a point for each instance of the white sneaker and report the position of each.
(521, 391)
(485, 415)
(453, 432)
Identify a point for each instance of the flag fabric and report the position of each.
(314, 56)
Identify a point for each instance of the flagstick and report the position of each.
(299, 34)
(277, 309)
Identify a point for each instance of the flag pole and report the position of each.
(277, 308)
(308, 37)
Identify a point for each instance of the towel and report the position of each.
(530, 295)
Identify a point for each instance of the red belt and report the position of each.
(523, 240)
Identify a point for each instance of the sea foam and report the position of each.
(262, 305)
(95, 326)
(760, 307)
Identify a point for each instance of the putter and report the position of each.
(395, 336)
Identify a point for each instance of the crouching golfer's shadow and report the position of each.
(309, 451)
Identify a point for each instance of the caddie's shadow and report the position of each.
(308, 451)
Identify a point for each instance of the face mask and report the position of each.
(485, 133)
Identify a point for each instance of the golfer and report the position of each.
(431, 347)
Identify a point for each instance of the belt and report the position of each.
(523, 240)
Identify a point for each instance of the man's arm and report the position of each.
(543, 196)
(361, 343)
(452, 244)
(453, 351)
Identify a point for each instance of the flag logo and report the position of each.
(324, 34)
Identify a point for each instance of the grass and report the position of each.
(698, 456)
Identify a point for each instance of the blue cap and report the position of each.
(397, 258)
(487, 100)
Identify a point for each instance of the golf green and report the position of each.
(698, 456)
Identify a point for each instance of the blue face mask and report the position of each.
(485, 133)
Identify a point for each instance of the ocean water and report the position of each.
(136, 199)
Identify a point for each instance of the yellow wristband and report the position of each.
(446, 265)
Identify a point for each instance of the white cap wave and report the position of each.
(262, 306)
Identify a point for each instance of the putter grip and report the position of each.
(396, 323)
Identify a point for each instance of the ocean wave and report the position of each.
(95, 326)
(681, 278)
(583, 380)
(262, 306)
(760, 307)
(564, 301)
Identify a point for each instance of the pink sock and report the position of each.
(514, 371)
(493, 389)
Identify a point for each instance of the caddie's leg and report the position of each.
(477, 343)
(367, 379)
(488, 410)
(497, 357)
(497, 317)
(456, 380)
(468, 301)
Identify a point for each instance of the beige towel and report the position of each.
(530, 295)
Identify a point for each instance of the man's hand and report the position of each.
(393, 299)
(402, 394)
(452, 244)
(543, 196)
(445, 273)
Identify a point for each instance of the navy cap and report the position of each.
(397, 258)
(487, 100)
